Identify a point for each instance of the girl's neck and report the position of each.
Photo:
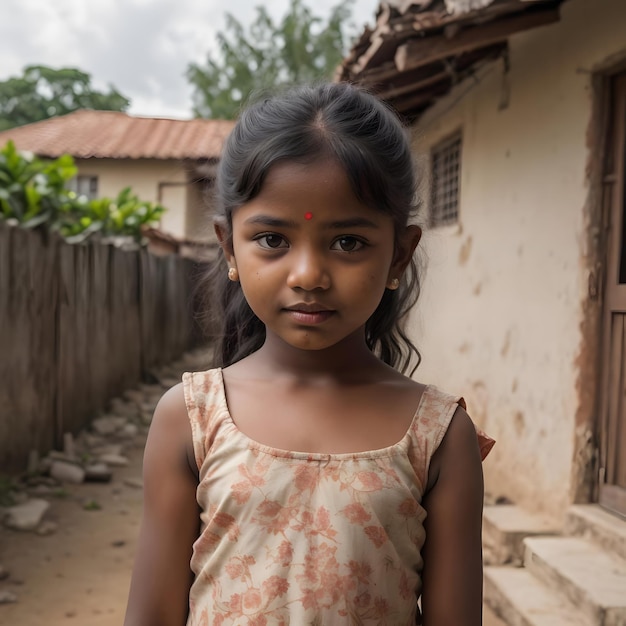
(348, 360)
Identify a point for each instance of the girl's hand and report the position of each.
(159, 591)
(453, 574)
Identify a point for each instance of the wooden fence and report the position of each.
(78, 325)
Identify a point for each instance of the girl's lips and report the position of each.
(309, 317)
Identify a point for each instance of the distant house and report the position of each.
(164, 160)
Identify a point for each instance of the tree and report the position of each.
(43, 92)
(298, 49)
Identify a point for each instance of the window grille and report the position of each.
(85, 186)
(446, 176)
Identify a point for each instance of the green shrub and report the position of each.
(33, 192)
(124, 216)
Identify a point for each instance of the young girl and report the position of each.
(306, 480)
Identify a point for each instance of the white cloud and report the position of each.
(142, 47)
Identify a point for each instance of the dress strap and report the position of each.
(206, 408)
(430, 425)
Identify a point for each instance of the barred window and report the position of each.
(85, 186)
(446, 176)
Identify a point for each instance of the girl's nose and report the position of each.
(308, 271)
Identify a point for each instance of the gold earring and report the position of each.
(233, 274)
(393, 284)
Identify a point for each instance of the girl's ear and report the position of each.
(404, 251)
(225, 240)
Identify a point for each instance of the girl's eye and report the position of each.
(347, 244)
(271, 241)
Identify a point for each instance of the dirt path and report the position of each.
(80, 574)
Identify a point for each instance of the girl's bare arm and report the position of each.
(159, 591)
(452, 576)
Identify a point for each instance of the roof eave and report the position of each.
(415, 58)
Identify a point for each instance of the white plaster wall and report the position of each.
(145, 177)
(501, 308)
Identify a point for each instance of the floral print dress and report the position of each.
(305, 538)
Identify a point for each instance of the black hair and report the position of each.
(367, 140)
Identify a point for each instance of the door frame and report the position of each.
(611, 487)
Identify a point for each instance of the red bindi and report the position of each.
(308, 215)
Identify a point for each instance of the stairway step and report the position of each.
(505, 526)
(596, 524)
(521, 599)
(592, 579)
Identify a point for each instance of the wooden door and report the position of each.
(612, 488)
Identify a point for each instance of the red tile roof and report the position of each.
(112, 135)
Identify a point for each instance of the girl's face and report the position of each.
(313, 261)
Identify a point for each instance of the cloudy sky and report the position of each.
(142, 47)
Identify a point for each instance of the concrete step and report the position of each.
(504, 528)
(593, 580)
(596, 524)
(521, 599)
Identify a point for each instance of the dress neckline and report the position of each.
(400, 446)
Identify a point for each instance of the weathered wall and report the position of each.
(200, 211)
(78, 325)
(504, 292)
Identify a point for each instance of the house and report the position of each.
(517, 111)
(168, 161)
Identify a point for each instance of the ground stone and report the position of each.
(57, 455)
(7, 596)
(112, 448)
(40, 490)
(114, 460)
(98, 473)
(108, 425)
(123, 409)
(47, 528)
(26, 516)
(67, 472)
(128, 431)
(91, 440)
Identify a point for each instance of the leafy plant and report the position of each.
(124, 216)
(33, 192)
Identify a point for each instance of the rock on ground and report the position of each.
(26, 516)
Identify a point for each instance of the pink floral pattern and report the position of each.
(298, 538)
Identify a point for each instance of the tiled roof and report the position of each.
(419, 49)
(113, 135)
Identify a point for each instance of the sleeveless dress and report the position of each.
(306, 538)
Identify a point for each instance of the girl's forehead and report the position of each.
(326, 170)
(308, 188)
